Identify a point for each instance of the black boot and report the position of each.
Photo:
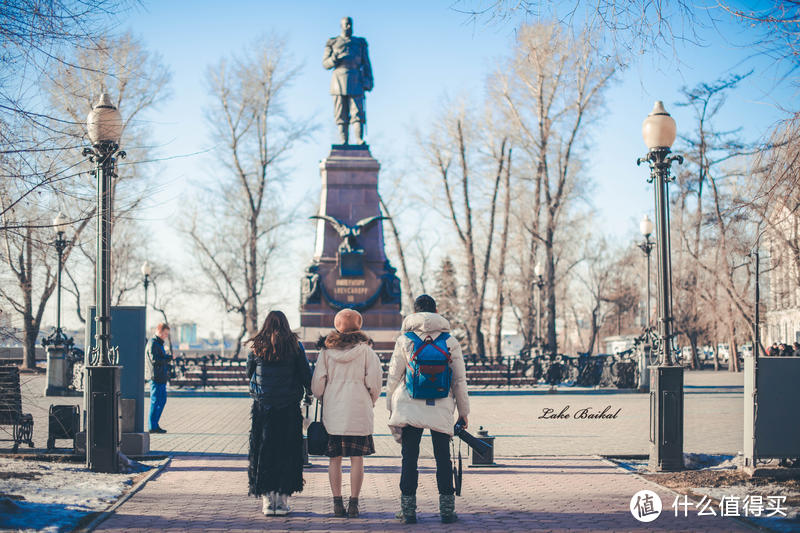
(408, 509)
(447, 508)
(352, 508)
(338, 507)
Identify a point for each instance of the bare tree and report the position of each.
(234, 238)
(771, 28)
(500, 278)
(28, 277)
(38, 40)
(549, 91)
(446, 293)
(776, 199)
(404, 277)
(452, 149)
(139, 79)
(713, 161)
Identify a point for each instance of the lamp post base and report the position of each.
(666, 418)
(102, 420)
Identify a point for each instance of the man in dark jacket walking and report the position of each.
(158, 366)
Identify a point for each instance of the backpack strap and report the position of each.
(443, 338)
(414, 338)
(419, 344)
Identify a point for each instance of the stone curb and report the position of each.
(125, 497)
(741, 520)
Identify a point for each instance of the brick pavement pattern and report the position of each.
(565, 493)
(713, 421)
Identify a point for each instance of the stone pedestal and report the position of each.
(133, 442)
(356, 275)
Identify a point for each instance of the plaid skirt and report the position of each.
(349, 445)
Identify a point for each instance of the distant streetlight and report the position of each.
(666, 381)
(104, 126)
(646, 228)
(58, 344)
(146, 271)
(61, 225)
(539, 281)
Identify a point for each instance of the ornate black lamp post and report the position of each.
(646, 246)
(646, 228)
(146, 271)
(61, 225)
(104, 125)
(58, 344)
(539, 281)
(666, 379)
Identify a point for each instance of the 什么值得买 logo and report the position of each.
(645, 506)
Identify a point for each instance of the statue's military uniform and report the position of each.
(352, 76)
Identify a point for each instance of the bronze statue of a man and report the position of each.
(352, 75)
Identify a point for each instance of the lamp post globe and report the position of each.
(61, 223)
(104, 122)
(104, 128)
(646, 227)
(666, 380)
(659, 128)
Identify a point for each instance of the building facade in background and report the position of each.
(783, 267)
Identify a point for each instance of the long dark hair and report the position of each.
(276, 341)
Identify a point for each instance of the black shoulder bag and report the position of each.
(317, 434)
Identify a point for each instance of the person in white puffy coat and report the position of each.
(347, 378)
(408, 417)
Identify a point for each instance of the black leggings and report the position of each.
(441, 451)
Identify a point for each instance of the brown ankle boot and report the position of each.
(338, 507)
(352, 508)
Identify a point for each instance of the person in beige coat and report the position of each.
(347, 378)
(408, 417)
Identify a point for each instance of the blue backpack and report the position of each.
(428, 372)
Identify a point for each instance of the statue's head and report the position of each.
(347, 26)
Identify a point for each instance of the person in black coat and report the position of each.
(158, 365)
(279, 375)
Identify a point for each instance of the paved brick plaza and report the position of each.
(551, 478)
(713, 421)
(544, 493)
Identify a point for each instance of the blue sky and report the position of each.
(421, 52)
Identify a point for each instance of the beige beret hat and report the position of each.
(347, 320)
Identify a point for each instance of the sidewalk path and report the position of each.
(207, 493)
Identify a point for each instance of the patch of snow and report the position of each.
(54, 497)
(691, 461)
(704, 461)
